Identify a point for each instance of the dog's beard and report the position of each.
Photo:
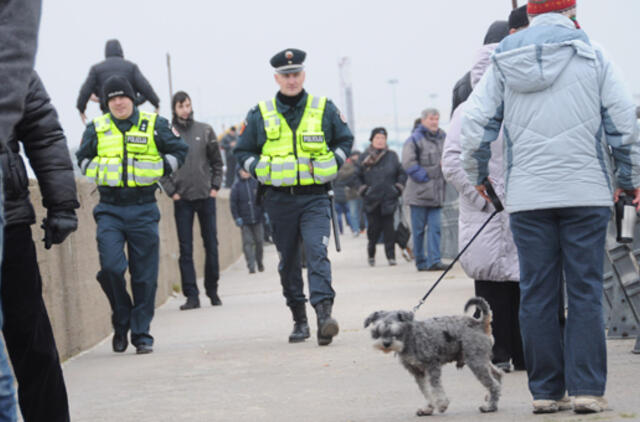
(395, 346)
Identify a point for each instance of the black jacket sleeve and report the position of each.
(170, 145)
(88, 87)
(19, 20)
(340, 138)
(215, 158)
(142, 85)
(46, 147)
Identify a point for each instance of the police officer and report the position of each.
(125, 152)
(293, 144)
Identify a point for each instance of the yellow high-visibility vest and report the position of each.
(134, 150)
(305, 160)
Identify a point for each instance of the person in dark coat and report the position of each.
(18, 39)
(114, 64)
(29, 337)
(248, 215)
(382, 182)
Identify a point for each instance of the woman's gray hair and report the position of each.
(428, 112)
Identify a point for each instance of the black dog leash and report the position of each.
(498, 208)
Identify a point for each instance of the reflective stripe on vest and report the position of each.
(286, 161)
(144, 165)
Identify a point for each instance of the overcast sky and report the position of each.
(220, 50)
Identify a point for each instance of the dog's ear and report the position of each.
(405, 316)
(373, 317)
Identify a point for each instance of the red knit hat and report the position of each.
(538, 7)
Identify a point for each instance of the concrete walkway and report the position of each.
(233, 363)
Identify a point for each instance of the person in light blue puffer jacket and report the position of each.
(571, 147)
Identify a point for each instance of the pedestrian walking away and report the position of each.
(125, 152)
(558, 135)
(248, 215)
(27, 329)
(381, 180)
(194, 188)
(492, 261)
(421, 155)
(114, 64)
(308, 140)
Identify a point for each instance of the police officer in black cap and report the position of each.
(294, 144)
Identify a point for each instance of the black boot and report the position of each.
(327, 326)
(192, 302)
(300, 326)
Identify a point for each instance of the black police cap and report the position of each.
(288, 61)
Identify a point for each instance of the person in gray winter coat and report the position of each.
(421, 155)
(492, 259)
(381, 184)
(194, 188)
(248, 215)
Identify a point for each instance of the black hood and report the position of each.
(497, 32)
(113, 49)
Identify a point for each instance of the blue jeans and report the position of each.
(355, 211)
(342, 209)
(421, 217)
(184, 212)
(137, 226)
(551, 241)
(7, 389)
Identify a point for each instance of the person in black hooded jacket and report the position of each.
(28, 334)
(114, 64)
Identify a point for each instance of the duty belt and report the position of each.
(300, 190)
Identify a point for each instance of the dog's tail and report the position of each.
(484, 308)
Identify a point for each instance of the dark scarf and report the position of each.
(290, 101)
(183, 123)
(375, 155)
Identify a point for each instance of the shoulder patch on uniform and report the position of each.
(242, 127)
(175, 131)
(342, 116)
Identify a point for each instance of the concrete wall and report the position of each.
(78, 308)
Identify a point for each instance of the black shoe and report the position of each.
(192, 303)
(215, 301)
(392, 262)
(300, 327)
(438, 266)
(252, 270)
(421, 269)
(327, 326)
(144, 349)
(119, 342)
(260, 267)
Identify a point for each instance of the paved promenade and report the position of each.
(233, 363)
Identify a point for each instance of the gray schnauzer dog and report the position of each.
(425, 346)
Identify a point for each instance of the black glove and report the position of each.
(57, 226)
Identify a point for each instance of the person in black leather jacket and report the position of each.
(114, 64)
(28, 334)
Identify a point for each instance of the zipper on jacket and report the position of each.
(124, 160)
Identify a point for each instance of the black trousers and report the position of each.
(504, 299)
(379, 223)
(28, 334)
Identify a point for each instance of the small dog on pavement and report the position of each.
(425, 346)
